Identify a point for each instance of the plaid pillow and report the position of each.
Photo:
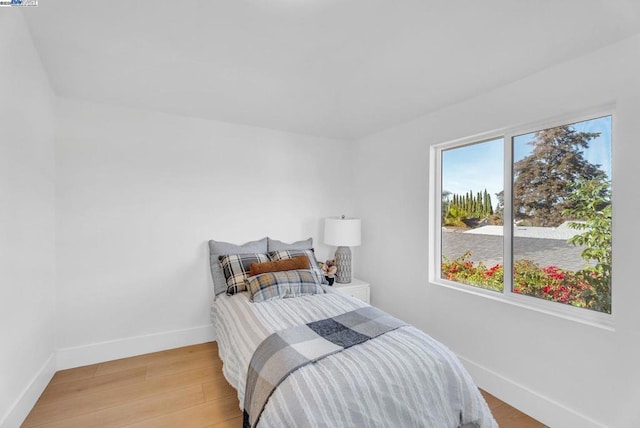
(289, 254)
(284, 284)
(236, 269)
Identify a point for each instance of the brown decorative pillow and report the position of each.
(295, 263)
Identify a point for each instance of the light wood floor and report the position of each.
(181, 387)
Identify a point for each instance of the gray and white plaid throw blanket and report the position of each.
(283, 352)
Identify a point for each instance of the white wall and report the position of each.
(138, 194)
(561, 372)
(27, 289)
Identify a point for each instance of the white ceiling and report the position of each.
(335, 68)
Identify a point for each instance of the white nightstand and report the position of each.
(356, 288)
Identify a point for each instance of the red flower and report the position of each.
(493, 269)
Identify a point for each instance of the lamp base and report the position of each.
(343, 263)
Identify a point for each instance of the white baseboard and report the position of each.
(27, 399)
(537, 406)
(128, 347)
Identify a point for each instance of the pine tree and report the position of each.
(545, 178)
(488, 206)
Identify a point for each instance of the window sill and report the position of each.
(580, 315)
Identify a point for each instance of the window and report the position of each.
(526, 215)
(472, 227)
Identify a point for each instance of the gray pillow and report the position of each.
(219, 248)
(275, 245)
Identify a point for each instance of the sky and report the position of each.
(480, 166)
(475, 167)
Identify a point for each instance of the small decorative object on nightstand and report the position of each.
(356, 288)
(329, 270)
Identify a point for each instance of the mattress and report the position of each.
(401, 378)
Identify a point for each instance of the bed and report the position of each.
(401, 377)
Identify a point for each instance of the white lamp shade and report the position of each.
(342, 232)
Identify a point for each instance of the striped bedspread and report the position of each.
(402, 378)
(285, 351)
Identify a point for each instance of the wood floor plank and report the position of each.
(64, 390)
(218, 388)
(229, 423)
(94, 401)
(84, 372)
(507, 416)
(200, 416)
(165, 356)
(200, 360)
(137, 410)
(491, 400)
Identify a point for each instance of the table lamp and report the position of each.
(342, 232)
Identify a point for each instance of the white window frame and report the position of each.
(581, 315)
